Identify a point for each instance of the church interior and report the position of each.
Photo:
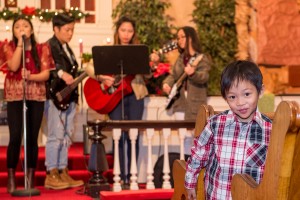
(262, 31)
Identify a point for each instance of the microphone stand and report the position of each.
(27, 190)
(125, 159)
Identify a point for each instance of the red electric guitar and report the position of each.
(104, 99)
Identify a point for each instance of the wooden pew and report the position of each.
(285, 132)
(281, 178)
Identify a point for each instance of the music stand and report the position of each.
(119, 60)
(134, 59)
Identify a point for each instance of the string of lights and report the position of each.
(44, 15)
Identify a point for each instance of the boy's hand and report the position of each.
(191, 194)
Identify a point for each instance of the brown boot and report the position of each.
(64, 175)
(30, 177)
(11, 180)
(53, 181)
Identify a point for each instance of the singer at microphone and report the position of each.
(37, 61)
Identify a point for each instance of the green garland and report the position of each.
(44, 15)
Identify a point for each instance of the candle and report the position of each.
(108, 40)
(80, 47)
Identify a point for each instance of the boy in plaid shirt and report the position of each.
(234, 141)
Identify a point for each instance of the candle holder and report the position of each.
(97, 161)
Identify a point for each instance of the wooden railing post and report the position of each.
(182, 133)
(166, 168)
(150, 177)
(133, 133)
(116, 137)
(150, 126)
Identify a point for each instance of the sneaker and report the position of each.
(53, 181)
(64, 175)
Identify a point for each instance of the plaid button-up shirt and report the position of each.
(227, 147)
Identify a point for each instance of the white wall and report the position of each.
(91, 34)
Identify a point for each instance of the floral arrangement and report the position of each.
(44, 15)
(86, 57)
(154, 84)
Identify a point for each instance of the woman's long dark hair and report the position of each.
(34, 52)
(190, 32)
(134, 39)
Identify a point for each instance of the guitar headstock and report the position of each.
(168, 47)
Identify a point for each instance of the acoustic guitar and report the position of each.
(104, 99)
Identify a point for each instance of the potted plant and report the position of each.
(215, 24)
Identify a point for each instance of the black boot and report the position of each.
(30, 177)
(11, 180)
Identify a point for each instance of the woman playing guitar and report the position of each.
(189, 78)
(109, 86)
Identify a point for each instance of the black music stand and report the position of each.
(131, 59)
(118, 60)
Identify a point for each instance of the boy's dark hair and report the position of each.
(241, 70)
(62, 19)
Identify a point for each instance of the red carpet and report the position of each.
(78, 169)
(78, 166)
(142, 194)
(75, 194)
(48, 194)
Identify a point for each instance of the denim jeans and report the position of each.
(60, 127)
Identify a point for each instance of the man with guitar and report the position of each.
(60, 114)
(187, 83)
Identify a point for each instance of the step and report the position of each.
(141, 194)
(77, 164)
(40, 177)
(77, 160)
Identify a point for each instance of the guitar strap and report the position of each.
(68, 53)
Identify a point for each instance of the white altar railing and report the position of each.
(148, 127)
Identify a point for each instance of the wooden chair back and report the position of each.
(284, 119)
(282, 175)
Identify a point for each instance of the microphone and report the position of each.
(23, 37)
